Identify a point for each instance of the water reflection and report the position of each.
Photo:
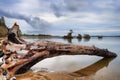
(92, 69)
(69, 40)
(86, 73)
(79, 39)
(86, 39)
(100, 38)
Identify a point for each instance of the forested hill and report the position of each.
(3, 27)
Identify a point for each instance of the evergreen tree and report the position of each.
(3, 27)
(2, 21)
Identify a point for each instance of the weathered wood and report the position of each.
(20, 55)
(14, 34)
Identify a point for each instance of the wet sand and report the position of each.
(40, 75)
(44, 75)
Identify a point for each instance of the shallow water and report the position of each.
(78, 67)
(82, 67)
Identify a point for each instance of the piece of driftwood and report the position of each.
(20, 55)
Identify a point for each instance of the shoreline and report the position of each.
(50, 36)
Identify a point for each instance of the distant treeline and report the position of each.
(36, 35)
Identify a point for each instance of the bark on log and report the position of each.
(20, 55)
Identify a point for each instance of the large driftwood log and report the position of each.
(20, 55)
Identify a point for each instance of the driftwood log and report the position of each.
(19, 55)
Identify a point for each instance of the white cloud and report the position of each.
(23, 25)
(101, 30)
(35, 22)
(111, 19)
(51, 17)
(27, 6)
(106, 4)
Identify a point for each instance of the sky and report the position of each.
(57, 17)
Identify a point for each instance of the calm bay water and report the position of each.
(82, 67)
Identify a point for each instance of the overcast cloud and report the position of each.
(58, 16)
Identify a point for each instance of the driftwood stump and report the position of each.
(20, 55)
